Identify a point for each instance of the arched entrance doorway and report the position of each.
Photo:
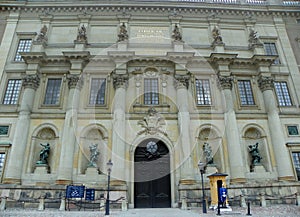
(152, 188)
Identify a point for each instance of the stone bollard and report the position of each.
(62, 206)
(3, 203)
(42, 204)
(183, 204)
(124, 204)
(263, 200)
(102, 204)
(242, 201)
(298, 199)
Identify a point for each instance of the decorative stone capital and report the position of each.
(120, 81)
(225, 82)
(75, 81)
(31, 81)
(182, 81)
(265, 83)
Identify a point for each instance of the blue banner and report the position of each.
(75, 191)
(90, 194)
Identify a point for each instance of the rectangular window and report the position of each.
(12, 92)
(245, 91)
(24, 46)
(203, 92)
(4, 130)
(151, 91)
(293, 130)
(52, 91)
(97, 94)
(2, 161)
(283, 94)
(270, 49)
(296, 159)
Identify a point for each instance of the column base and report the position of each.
(286, 178)
(238, 180)
(187, 182)
(63, 182)
(11, 181)
(117, 183)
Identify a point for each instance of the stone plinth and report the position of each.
(92, 171)
(259, 169)
(41, 169)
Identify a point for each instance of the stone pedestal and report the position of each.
(259, 169)
(122, 46)
(41, 169)
(92, 171)
(219, 48)
(178, 46)
(210, 169)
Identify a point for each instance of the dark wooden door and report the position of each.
(152, 175)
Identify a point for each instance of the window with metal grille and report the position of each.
(2, 161)
(97, 93)
(24, 46)
(296, 160)
(245, 91)
(12, 91)
(151, 91)
(270, 49)
(203, 92)
(52, 91)
(282, 93)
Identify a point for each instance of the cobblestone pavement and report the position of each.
(256, 211)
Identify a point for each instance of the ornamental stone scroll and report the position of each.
(225, 82)
(75, 81)
(120, 81)
(182, 81)
(31, 81)
(265, 83)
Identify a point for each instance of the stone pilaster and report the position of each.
(120, 82)
(65, 168)
(181, 84)
(231, 131)
(16, 160)
(8, 37)
(277, 137)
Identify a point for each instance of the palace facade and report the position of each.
(155, 86)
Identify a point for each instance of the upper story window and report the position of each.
(245, 92)
(203, 93)
(151, 96)
(52, 91)
(270, 49)
(282, 93)
(97, 93)
(23, 46)
(296, 159)
(2, 161)
(12, 91)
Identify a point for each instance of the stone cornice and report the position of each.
(264, 60)
(148, 6)
(222, 58)
(82, 55)
(33, 57)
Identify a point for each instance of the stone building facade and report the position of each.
(149, 85)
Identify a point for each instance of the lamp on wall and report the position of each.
(202, 168)
(109, 165)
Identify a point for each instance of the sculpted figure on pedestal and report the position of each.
(44, 154)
